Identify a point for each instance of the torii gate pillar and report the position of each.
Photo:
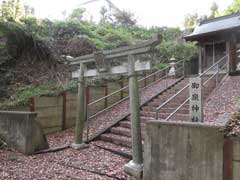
(134, 167)
(81, 114)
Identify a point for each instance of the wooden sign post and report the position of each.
(196, 106)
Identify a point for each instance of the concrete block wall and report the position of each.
(50, 108)
(187, 151)
(21, 131)
(49, 111)
(236, 158)
(71, 109)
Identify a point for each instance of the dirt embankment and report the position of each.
(26, 71)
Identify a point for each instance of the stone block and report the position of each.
(236, 150)
(236, 170)
(182, 151)
(21, 131)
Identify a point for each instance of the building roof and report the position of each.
(210, 26)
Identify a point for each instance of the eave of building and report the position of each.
(215, 26)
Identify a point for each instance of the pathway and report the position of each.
(92, 163)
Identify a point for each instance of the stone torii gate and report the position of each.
(103, 68)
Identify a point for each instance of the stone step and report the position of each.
(153, 114)
(171, 92)
(179, 100)
(143, 119)
(121, 131)
(165, 110)
(177, 116)
(117, 139)
(127, 124)
(171, 104)
(117, 149)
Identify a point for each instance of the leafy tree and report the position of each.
(125, 18)
(11, 10)
(29, 11)
(104, 15)
(191, 21)
(214, 10)
(24, 45)
(233, 8)
(77, 15)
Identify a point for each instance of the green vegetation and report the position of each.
(27, 39)
(233, 8)
(161, 66)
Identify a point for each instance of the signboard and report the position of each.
(196, 106)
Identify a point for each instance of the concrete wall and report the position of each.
(20, 130)
(49, 110)
(183, 151)
(236, 159)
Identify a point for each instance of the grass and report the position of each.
(161, 66)
(22, 95)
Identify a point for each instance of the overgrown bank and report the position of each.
(31, 50)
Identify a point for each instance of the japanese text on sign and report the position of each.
(196, 113)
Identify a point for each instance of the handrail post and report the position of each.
(217, 78)
(166, 78)
(156, 115)
(228, 68)
(122, 91)
(106, 94)
(87, 119)
(154, 77)
(183, 68)
(86, 111)
(145, 80)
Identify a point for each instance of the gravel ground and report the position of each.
(92, 163)
(224, 100)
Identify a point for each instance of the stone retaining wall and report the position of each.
(187, 151)
(21, 131)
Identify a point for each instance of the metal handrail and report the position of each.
(169, 100)
(211, 77)
(181, 61)
(102, 98)
(178, 108)
(151, 75)
(105, 97)
(208, 69)
(123, 99)
(174, 112)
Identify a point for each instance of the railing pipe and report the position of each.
(217, 80)
(176, 110)
(208, 69)
(169, 100)
(94, 102)
(217, 75)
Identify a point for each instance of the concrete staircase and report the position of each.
(118, 138)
